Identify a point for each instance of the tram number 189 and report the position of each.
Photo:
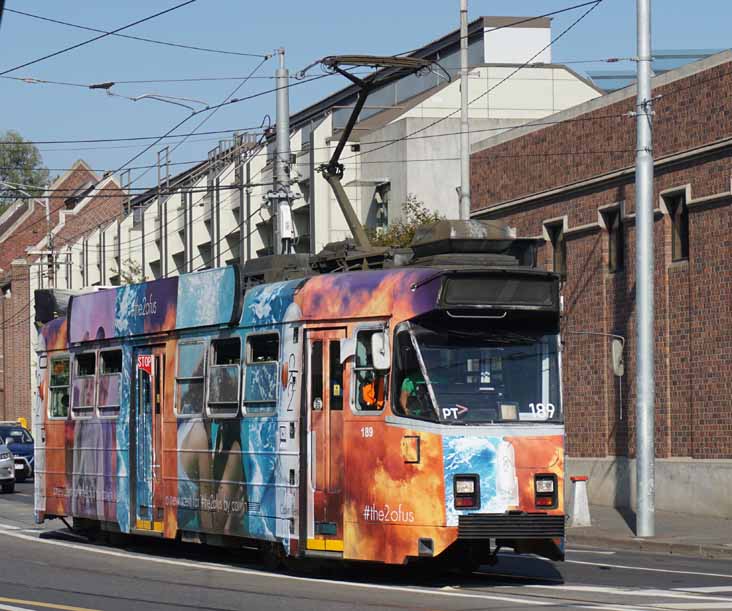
(367, 431)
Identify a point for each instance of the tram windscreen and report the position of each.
(475, 377)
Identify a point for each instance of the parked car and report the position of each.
(20, 442)
(7, 469)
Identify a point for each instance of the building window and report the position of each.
(679, 227)
(559, 248)
(615, 240)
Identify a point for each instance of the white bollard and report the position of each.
(580, 515)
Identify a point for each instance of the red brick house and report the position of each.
(76, 206)
(572, 183)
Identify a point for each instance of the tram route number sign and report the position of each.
(144, 362)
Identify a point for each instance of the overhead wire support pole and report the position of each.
(464, 127)
(645, 385)
(280, 199)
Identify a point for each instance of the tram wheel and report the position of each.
(272, 556)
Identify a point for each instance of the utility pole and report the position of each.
(645, 386)
(464, 134)
(281, 198)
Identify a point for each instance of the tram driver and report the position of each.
(414, 399)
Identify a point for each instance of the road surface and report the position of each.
(50, 573)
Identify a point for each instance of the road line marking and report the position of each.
(264, 574)
(45, 605)
(706, 590)
(694, 606)
(590, 551)
(643, 568)
(631, 592)
(9, 608)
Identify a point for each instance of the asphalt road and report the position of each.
(51, 573)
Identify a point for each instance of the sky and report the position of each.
(308, 30)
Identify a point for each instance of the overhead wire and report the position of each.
(140, 38)
(91, 40)
(318, 148)
(250, 182)
(595, 4)
(126, 139)
(235, 100)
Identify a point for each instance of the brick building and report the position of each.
(572, 183)
(79, 202)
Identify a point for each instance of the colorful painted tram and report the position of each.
(382, 415)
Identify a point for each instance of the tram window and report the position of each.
(316, 375)
(58, 404)
(411, 397)
(223, 377)
(260, 388)
(263, 347)
(110, 379)
(336, 375)
(83, 385)
(370, 384)
(86, 364)
(190, 379)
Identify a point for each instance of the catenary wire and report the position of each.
(318, 148)
(262, 151)
(595, 4)
(225, 103)
(90, 40)
(141, 38)
(214, 110)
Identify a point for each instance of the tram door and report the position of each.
(149, 389)
(325, 419)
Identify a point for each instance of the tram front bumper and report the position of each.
(540, 534)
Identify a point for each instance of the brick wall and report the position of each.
(16, 326)
(693, 324)
(16, 332)
(33, 229)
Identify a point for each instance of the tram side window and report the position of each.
(336, 375)
(84, 383)
(110, 380)
(260, 390)
(223, 377)
(190, 378)
(58, 404)
(370, 384)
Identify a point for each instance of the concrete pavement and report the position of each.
(676, 533)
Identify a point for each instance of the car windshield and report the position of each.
(461, 377)
(14, 434)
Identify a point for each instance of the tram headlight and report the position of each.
(544, 485)
(467, 491)
(464, 486)
(545, 491)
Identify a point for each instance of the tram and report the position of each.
(386, 415)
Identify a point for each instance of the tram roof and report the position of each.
(214, 298)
